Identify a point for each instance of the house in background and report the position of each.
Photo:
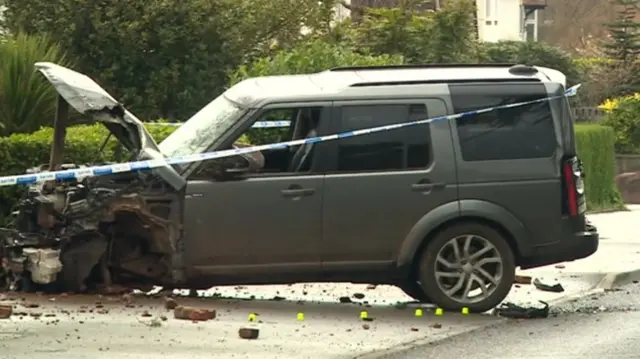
(497, 19)
(509, 19)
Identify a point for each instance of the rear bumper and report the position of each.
(575, 246)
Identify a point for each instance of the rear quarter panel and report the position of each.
(528, 189)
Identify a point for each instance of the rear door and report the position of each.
(379, 185)
(510, 157)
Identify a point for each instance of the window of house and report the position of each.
(399, 149)
(530, 16)
(491, 12)
(530, 32)
(530, 24)
(506, 134)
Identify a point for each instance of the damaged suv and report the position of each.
(445, 211)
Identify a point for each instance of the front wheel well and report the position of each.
(457, 221)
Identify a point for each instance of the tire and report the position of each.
(497, 261)
(415, 291)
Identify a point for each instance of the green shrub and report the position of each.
(165, 58)
(531, 53)
(315, 56)
(623, 116)
(27, 99)
(596, 149)
(604, 78)
(82, 146)
(21, 151)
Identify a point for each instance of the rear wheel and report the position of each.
(467, 265)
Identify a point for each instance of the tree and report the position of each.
(317, 55)
(443, 36)
(574, 24)
(624, 32)
(308, 57)
(166, 58)
(531, 53)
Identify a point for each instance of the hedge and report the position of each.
(596, 149)
(21, 151)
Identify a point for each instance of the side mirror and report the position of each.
(234, 168)
(237, 171)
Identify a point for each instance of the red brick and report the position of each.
(249, 333)
(195, 314)
(5, 311)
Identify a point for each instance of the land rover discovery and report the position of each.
(446, 210)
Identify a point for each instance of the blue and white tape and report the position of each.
(149, 164)
(258, 124)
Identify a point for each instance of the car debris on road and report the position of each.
(511, 310)
(555, 288)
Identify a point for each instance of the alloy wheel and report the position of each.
(468, 268)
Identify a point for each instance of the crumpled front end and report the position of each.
(91, 235)
(121, 229)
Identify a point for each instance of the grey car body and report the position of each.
(440, 224)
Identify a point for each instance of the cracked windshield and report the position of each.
(505, 229)
(197, 134)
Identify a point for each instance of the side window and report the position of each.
(273, 126)
(400, 149)
(520, 132)
(270, 126)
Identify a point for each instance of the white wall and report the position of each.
(499, 20)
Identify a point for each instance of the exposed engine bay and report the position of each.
(117, 230)
(91, 234)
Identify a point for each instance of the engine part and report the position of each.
(43, 264)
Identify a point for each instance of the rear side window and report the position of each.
(506, 134)
(400, 149)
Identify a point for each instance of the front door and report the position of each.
(269, 221)
(379, 185)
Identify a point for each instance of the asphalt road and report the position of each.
(603, 326)
(89, 327)
(79, 327)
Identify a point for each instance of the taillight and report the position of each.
(574, 185)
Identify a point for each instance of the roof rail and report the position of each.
(429, 82)
(418, 66)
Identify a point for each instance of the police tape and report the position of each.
(257, 124)
(76, 174)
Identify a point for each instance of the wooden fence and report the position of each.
(587, 114)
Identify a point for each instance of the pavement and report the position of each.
(76, 327)
(616, 263)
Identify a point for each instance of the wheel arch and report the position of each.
(454, 213)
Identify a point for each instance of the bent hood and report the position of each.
(87, 97)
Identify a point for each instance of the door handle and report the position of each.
(297, 192)
(424, 186)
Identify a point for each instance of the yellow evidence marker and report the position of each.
(252, 317)
(418, 312)
(465, 310)
(300, 316)
(439, 311)
(364, 315)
